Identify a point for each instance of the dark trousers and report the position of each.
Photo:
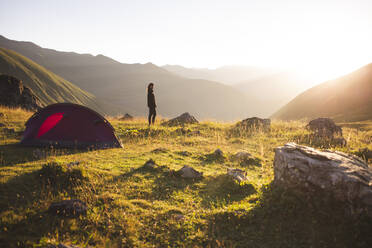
(152, 115)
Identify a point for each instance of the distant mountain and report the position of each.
(124, 85)
(348, 98)
(46, 85)
(274, 90)
(227, 74)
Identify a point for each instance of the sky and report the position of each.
(321, 38)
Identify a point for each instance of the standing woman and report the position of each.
(151, 103)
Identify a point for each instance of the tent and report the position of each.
(69, 125)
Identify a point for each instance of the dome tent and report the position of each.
(69, 125)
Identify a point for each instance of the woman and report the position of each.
(151, 103)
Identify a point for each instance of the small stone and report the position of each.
(150, 163)
(218, 153)
(241, 156)
(68, 208)
(189, 172)
(237, 174)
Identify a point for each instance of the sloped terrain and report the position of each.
(46, 85)
(348, 98)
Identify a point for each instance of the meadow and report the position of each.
(131, 205)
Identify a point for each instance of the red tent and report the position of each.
(69, 125)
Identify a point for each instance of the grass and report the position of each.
(130, 205)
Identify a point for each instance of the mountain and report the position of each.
(227, 74)
(46, 85)
(124, 85)
(348, 98)
(274, 90)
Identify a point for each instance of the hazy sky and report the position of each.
(325, 38)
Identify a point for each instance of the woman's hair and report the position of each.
(149, 86)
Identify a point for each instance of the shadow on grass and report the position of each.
(223, 190)
(24, 200)
(165, 181)
(13, 154)
(285, 219)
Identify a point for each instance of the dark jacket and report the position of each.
(151, 99)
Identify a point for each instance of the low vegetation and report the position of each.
(131, 205)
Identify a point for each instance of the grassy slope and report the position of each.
(348, 98)
(131, 206)
(49, 87)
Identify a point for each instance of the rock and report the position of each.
(324, 127)
(2, 124)
(241, 156)
(364, 153)
(345, 177)
(218, 153)
(254, 123)
(183, 119)
(189, 172)
(14, 94)
(196, 132)
(150, 163)
(237, 174)
(126, 117)
(68, 208)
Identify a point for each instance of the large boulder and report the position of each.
(344, 177)
(183, 119)
(324, 127)
(254, 123)
(14, 94)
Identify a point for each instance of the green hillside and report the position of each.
(49, 87)
(348, 98)
(124, 85)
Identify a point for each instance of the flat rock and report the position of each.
(189, 172)
(68, 208)
(346, 177)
